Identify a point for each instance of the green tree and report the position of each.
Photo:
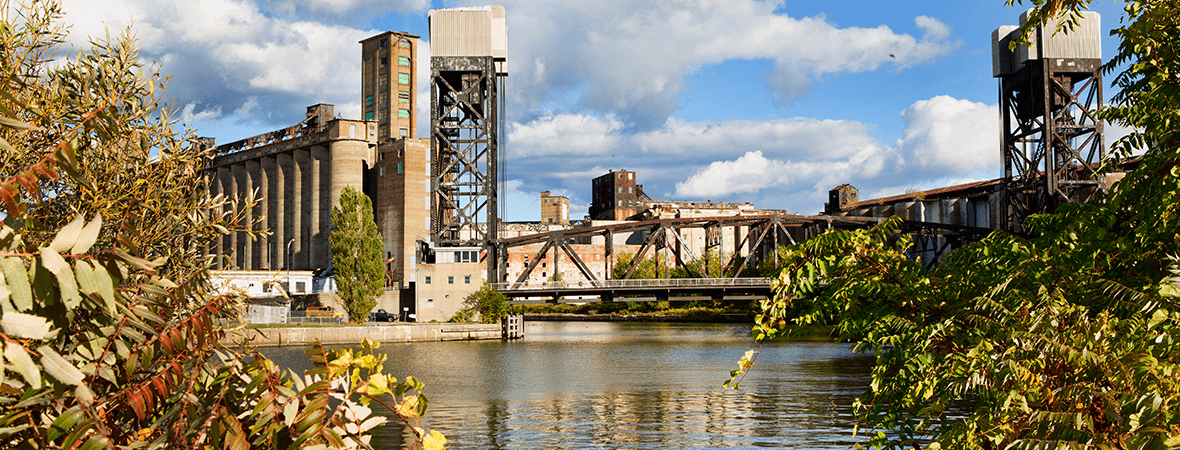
(1066, 338)
(110, 330)
(489, 303)
(645, 270)
(356, 254)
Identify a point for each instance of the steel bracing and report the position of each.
(1051, 139)
(465, 98)
(759, 237)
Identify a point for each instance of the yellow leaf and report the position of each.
(434, 441)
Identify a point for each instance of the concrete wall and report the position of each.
(402, 205)
(296, 182)
(382, 333)
(442, 288)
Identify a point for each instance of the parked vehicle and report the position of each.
(381, 315)
(323, 311)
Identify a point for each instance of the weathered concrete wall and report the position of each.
(424, 332)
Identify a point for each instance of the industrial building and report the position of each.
(433, 198)
(389, 83)
(555, 209)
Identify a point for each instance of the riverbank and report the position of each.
(653, 317)
(417, 332)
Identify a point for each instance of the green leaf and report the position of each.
(88, 236)
(24, 326)
(106, 287)
(58, 368)
(64, 275)
(5, 293)
(23, 364)
(67, 236)
(18, 282)
(9, 122)
(64, 422)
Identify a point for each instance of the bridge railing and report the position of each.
(632, 283)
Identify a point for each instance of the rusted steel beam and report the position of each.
(524, 275)
(577, 262)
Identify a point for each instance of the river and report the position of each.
(570, 385)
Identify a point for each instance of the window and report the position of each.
(404, 132)
(369, 115)
(384, 61)
(466, 279)
(404, 43)
(383, 114)
(403, 100)
(403, 61)
(300, 286)
(426, 280)
(382, 170)
(266, 287)
(450, 279)
(369, 100)
(403, 94)
(383, 80)
(384, 42)
(403, 114)
(400, 167)
(403, 78)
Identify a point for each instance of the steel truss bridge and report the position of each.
(759, 236)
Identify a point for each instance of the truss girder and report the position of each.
(464, 152)
(1051, 137)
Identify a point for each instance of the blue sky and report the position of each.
(768, 102)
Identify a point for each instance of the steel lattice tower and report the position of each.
(1051, 139)
(466, 76)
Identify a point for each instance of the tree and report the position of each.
(110, 330)
(646, 269)
(1065, 338)
(489, 303)
(356, 254)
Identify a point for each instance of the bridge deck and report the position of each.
(673, 289)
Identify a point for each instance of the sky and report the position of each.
(768, 102)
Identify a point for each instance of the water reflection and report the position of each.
(627, 385)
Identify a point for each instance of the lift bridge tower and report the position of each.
(468, 63)
(1050, 139)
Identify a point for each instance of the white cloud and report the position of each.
(951, 136)
(238, 55)
(189, 114)
(795, 137)
(751, 172)
(631, 58)
(564, 134)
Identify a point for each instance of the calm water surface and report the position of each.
(574, 385)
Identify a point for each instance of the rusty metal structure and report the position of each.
(760, 236)
(1051, 139)
(317, 118)
(467, 68)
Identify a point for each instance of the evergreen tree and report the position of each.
(356, 254)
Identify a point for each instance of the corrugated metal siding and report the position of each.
(468, 32)
(1084, 42)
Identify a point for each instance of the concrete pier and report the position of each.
(352, 335)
